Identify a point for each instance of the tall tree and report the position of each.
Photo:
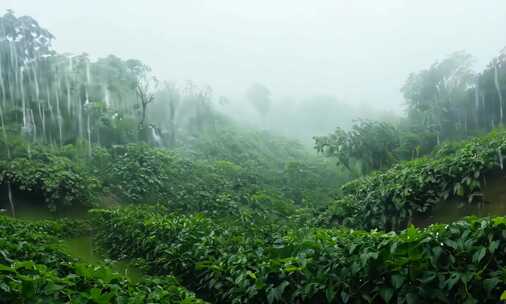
(169, 98)
(492, 86)
(145, 87)
(371, 144)
(439, 94)
(198, 101)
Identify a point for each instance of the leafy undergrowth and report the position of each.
(60, 183)
(140, 173)
(33, 269)
(389, 199)
(228, 263)
(59, 180)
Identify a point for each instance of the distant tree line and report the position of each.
(56, 99)
(446, 101)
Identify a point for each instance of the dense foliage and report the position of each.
(452, 101)
(56, 181)
(34, 269)
(234, 214)
(261, 171)
(446, 101)
(141, 173)
(57, 99)
(371, 144)
(389, 199)
(461, 262)
(277, 163)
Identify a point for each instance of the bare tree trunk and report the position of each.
(144, 98)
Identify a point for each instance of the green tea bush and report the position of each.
(279, 164)
(34, 270)
(228, 263)
(389, 199)
(59, 182)
(143, 174)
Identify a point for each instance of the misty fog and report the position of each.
(356, 53)
(236, 152)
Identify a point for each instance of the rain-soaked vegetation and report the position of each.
(119, 187)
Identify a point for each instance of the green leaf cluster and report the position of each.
(390, 199)
(236, 263)
(34, 269)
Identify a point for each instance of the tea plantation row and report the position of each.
(464, 262)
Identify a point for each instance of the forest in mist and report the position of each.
(55, 99)
(206, 177)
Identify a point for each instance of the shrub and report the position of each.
(229, 263)
(58, 181)
(389, 199)
(34, 270)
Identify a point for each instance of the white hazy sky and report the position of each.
(360, 51)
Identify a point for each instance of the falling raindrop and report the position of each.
(4, 133)
(33, 125)
(59, 118)
(36, 83)
(156, 137)
(23, 103)
(499, 93)
(2, 85)
(11, 199)
(107, 97)
(89, 135)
